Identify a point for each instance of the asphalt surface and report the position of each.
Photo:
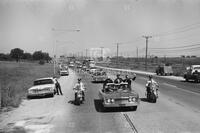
(176, 111)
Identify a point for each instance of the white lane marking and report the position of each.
(181, 89)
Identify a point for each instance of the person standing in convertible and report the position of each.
(118, 80)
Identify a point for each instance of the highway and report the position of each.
(176, 111)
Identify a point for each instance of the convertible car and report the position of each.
(118, 95)
(42, 87)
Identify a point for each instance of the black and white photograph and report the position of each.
(99, 66)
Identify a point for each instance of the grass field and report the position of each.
(16, 78)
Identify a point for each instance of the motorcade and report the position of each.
(64, 72)
(42, 87)
(118, 95)
(192, 73)
(99, 76)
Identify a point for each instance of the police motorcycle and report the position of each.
(152, 93)
(79, 96)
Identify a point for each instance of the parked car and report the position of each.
(192, 73)
(42, 87)
(118, 95)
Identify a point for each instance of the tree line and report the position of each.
(18, 54)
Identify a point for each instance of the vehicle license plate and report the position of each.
(122, 104)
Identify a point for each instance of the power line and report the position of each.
(180, 47)
(180, 29)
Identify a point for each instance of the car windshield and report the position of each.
(43, 81)
(197, 68)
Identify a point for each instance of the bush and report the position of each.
(41, 62)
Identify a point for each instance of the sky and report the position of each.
(173, 24)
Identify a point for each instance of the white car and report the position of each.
(42, 87)
(64, 72)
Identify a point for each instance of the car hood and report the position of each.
(121, 94)
(40, 87)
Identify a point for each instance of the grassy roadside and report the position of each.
(16, 78)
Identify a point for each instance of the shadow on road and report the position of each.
(73, 102)
(38, 97)
(99, 108)
(97, 82)
(144, 100)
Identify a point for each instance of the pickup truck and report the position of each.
(192, 73)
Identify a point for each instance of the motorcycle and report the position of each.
(79, 97)
(152, 95)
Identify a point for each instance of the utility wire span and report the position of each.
(179, 30)
(175, 48)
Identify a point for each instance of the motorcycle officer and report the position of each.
(79, 86)
(151, 83)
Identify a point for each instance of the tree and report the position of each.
(47, 57)
(27, 56)
(38, 55)
(16, 53)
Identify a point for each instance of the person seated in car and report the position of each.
(108, 80)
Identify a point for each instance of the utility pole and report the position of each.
(86, 52)
(137, 53)
(118, 53)
(102, 52)
(147, 38)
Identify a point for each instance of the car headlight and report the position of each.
(30, 91)
(110, 100)
(132, 99)
(48, 89)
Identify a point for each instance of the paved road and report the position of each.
(173, 113)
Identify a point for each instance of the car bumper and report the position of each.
(63, 74)
(131, 104)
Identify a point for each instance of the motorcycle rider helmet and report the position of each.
(150, 76)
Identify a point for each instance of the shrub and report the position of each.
(41, 62)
